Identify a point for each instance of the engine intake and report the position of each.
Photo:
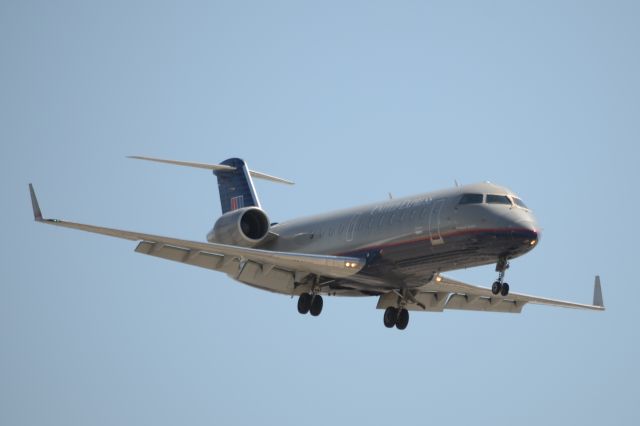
(246, 227)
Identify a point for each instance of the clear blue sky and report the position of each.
(352, 100)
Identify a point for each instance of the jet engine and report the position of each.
(245, 227)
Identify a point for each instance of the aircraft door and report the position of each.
(434, 222)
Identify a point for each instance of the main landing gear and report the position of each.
(310, 303)
(398, 317)
(397, 314)
(499, 286)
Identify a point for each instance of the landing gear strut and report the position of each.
(499, 286)
(310, 303)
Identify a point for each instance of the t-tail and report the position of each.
(236, 186)
(235, 182)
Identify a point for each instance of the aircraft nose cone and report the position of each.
(529, 231)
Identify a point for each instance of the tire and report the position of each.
(390, 316)
(316, 305)
(304, 303)
(403, 319)
(496, 288)
(505, 289)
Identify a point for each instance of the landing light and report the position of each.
(533, 242)
(438, 279)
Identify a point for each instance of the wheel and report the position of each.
(496, 287)
(316, 305)
(390, 316)
(505, 289)
(403, 319)
(304, 303)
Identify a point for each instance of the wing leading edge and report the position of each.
(219, 256)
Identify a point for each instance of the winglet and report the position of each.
(597, 293)
(37, 213)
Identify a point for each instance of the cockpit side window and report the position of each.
(498, 199)
(519, 203)
(471, 199)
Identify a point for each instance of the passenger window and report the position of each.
(498, 199)
(405, 211)
(471, 199)
(384, 213)
(372, 217)
(425, 209)
(414, 212)
(394, 214)
(519, 203)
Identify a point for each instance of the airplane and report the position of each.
(395, 250)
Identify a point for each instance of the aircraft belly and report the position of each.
(423, 259)
(399, 266)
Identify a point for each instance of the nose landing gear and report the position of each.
(499, 286)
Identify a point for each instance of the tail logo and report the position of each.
(237, 202)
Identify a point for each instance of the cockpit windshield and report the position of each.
(498, 199)
(491, 199)
(471, 199)
(519, 203)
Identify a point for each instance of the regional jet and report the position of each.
(396, 250)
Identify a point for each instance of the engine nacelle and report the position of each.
(245, 227)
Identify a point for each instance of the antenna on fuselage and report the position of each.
(456, 182)
(390, 196)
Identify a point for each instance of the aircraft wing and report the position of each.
(445, 293)
(221, 257)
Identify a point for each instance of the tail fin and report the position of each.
(235, 186)
(234, 181)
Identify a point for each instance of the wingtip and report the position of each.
(597, 293)
(37, 213)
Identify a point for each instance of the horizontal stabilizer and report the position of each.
(214, 167)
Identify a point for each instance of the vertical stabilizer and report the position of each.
(236, 186)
